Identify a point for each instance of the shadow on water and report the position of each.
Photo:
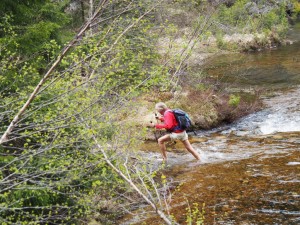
(249, 172)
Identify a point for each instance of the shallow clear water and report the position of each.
(249, 172)
(274, 69)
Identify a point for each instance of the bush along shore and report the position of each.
(207, 108)
(235, 26)
(78, 78)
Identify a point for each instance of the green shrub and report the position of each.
(234, 100)
(238, 19)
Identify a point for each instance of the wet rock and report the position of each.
(288, 42)
(225, 208)
(246, 181)
(277, 137)
(241, 133)
(198, 140)
(221, 137)
(252, 8)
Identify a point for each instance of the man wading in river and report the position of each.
(171, 125)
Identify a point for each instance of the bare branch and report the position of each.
(4, 137)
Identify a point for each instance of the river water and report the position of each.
(250, 171)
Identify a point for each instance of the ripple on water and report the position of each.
(249, 172)
(281, 115)
(293, 163)
(272, 211)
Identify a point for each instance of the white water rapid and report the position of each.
(282, 114)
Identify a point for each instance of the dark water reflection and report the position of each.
(275, 68)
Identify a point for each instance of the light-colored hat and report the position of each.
(161, 106)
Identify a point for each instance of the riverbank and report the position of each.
(214, 100)
(248, 171)
(208, 102)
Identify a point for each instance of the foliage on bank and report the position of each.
(53, 169)
(268, 21)
(238, 24)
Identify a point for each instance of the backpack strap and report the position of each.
(175, 127)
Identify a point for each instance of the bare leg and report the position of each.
(190, 148)
(161, 142)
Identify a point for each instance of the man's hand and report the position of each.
(158, 116)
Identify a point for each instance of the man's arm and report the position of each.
(168, 121)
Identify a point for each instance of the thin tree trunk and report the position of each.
(129, 181)
(91, 10)
(4, 137)
(82, 11)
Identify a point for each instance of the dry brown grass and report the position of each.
(210, 109)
